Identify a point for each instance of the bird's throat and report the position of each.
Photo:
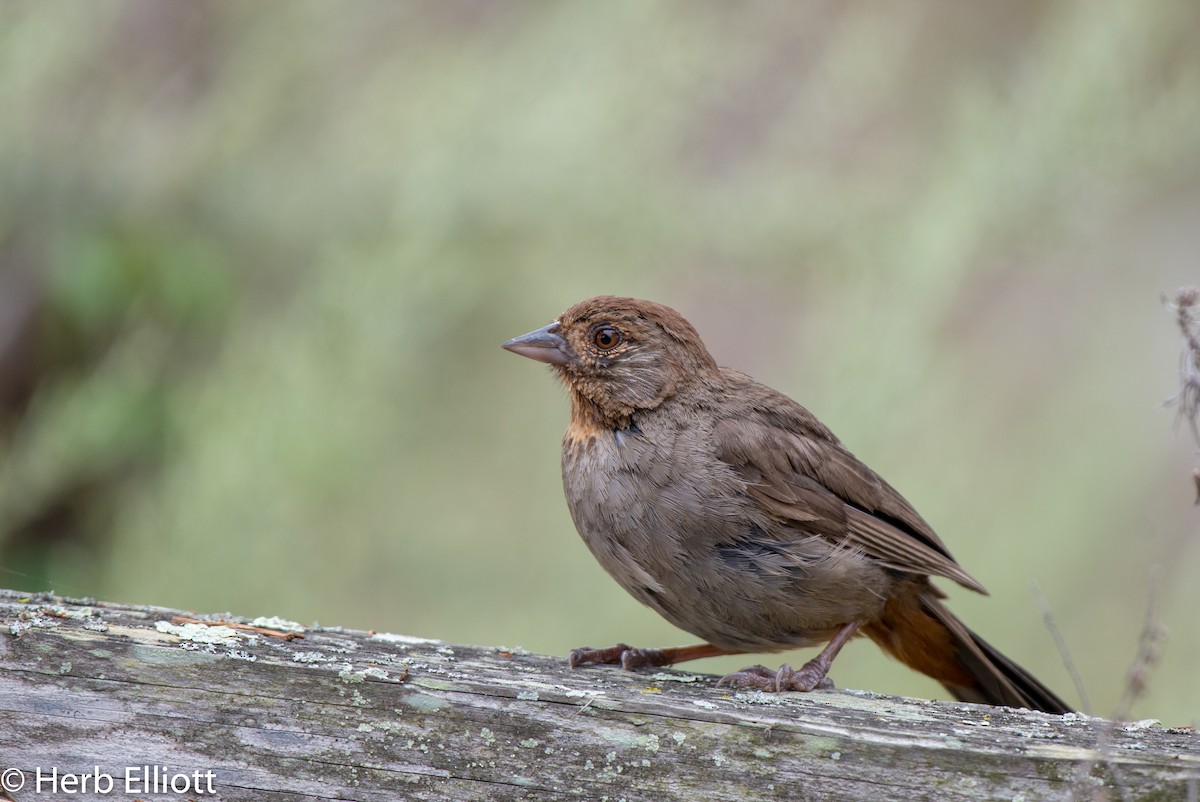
(591, 418)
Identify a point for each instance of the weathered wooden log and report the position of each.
(106, 701)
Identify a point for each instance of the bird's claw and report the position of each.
(624, 655)
(809, 677)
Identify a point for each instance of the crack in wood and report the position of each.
(343, 722)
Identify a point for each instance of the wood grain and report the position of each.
(89, 687)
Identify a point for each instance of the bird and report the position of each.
(732, 511)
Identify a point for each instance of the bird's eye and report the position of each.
(607, 338)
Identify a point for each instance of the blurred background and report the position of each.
(256, 261)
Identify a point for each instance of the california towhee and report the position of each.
(738, 516)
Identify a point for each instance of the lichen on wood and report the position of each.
(88, 687)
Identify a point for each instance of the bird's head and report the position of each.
(618, 356)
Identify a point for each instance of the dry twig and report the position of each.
(1060, 643)
(1148, 653)
(1188, 397)
(1136, 684)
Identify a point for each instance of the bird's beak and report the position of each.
(544, 345)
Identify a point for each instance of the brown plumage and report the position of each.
(737, 515)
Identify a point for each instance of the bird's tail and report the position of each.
(920, 632)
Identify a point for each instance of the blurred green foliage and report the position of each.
(255, 261)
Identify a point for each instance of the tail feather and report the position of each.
(929, 638)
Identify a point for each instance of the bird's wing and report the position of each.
(799, 472)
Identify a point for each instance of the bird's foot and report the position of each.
(811, 676)
(630, 658)
(624, 655)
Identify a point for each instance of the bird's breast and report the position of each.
(643, 502)
(676, 528)
(626, 484)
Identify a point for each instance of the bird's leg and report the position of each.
(630, 658)
(812, 675)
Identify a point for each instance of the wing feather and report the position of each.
(801, 473)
